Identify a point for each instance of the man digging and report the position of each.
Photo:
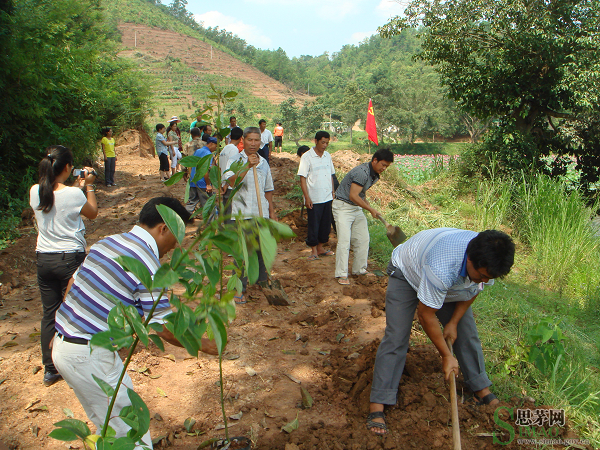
(439, 273)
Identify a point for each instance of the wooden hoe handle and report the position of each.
(256, 185)
(454, 406)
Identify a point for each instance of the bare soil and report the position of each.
(203, 58)
(325, 342)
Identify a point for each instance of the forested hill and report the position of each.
(408, 99)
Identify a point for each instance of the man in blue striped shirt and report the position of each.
(438, 273)
(85, 311)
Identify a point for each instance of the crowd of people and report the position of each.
(438, 273)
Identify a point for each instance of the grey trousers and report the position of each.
(197, 195)
(400, 305)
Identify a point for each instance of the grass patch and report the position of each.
(554, 279)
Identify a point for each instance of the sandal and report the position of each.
(372, 424)
(240, 299)
(312, 258)
(486, 400)
(344, 281)
(327, 253)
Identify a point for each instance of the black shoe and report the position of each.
(50, 378)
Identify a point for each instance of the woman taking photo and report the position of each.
(61, 243)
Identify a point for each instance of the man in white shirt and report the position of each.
(315, 171)
(229, 153)
(266, 140)
(245, 200)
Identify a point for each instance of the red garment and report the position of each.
(371, 127)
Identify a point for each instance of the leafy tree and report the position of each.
(533, 64)
(300, 123)
(354, 104)
(61, 82)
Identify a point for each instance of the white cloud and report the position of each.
(319, 9)
(389, 8)
(359, 36)
(250, 33)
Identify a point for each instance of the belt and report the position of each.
(79, 341)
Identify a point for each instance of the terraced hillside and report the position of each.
(182, 68)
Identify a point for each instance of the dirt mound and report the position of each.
(135, 142)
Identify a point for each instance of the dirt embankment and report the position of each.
(325, 342)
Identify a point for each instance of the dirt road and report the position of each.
(325, 342)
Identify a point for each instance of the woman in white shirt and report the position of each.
(61, 244)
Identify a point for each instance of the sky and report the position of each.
(300, 27)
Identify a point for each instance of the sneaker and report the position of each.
(50, 378)
(114, 184)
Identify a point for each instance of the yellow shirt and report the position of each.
(109, 146)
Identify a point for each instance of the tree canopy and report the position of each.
(534, 64)
(60, 82)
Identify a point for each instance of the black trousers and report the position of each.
(264, 152)
(319, 223)
(54, 270)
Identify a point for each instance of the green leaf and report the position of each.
(230, 94)
(141, 411)
(63, 434)
(106, 388)
(76, 426)
(547, 334)
(68, 412)
(125, 443)
(252, 268)
(138, 325)
(172, 221)
(218, 329)
(214, 175)
(189, 424)
(136, 267)
(307, 400)
(158, 341)
(292, 426)
(208, 207)
(268, 246)
(186, 196)
(103, 340)
(174, 179)
(190, 161)
(164, 277)
(281, 230)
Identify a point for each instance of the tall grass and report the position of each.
(557, 226)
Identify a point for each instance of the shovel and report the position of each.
(394, 233)
(454, 406)
(271, 288)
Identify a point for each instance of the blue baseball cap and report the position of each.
(212, 140)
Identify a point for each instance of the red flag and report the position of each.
(370, 127)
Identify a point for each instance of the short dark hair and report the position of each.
(383, 154)
(278, 123)
(232, 117)
(236, 133)
(150, 217)
(105, 131)
(321, 134)
(195, 132)
(159, 127)
(262, 121)
(492, 250)
(302, 150)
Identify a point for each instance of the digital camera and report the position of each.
(81, 173)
